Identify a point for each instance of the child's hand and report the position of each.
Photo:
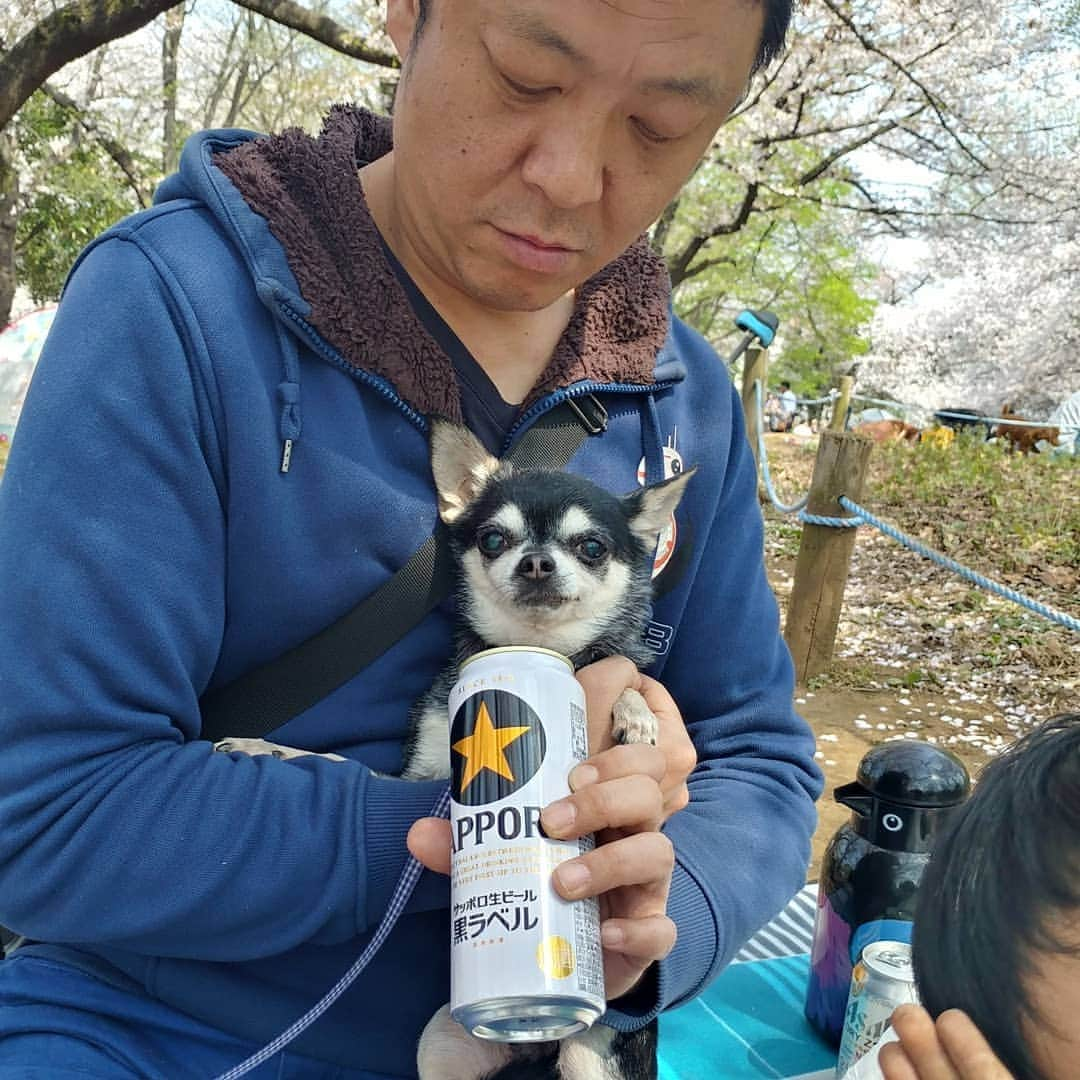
(951, 1049)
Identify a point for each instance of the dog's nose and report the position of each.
(536, 565)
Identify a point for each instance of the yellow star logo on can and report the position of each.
(498, 744)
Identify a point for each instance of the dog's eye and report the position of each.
(591, 549)
(491, 542)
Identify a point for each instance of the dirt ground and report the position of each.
(918, 654)
(848, 722)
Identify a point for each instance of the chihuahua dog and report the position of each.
(549, 559)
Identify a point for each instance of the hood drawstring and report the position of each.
(652, 441)
(652, 445)
(290, 422)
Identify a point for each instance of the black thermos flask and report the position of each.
(871, 869)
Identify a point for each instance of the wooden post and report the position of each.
(840, 408)
(821, 570)
(755, 368)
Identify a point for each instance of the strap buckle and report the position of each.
(595, 424)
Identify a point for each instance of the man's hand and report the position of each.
(623, 794)
(951, 1049)
(603, 682)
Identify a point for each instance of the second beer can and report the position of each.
(526, 965)
(882, 980)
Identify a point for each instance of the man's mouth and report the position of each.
(539, 254)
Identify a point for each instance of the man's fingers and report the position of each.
(629, 801)
(633, 759)
(642, 940)
(429, 842)
(644, 860)
(968, 1051)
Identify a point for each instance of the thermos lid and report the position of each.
(912, 773)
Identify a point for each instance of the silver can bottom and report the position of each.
(528, 1018)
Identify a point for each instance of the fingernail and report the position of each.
(612, 937)
(573, 876)
(582, 776)
(559, 816)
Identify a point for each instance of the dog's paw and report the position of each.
(634, 721)
(255, 747)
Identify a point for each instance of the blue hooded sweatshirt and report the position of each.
(223, 450)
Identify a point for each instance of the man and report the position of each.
(788, 405)
(225, 450)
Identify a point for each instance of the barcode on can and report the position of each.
(579, 732)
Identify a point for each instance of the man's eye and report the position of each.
(592, 549)
(525, 91)
(649, 135)
(491, 542)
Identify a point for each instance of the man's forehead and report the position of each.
(664, 29)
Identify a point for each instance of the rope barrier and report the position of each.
(885, 401)
(862, 515)
(763, 460)
(1011, 421)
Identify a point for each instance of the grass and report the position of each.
(975, 500)
(1012, 517)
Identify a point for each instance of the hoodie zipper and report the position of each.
(387, 392)
(332, 356)
(578, 390)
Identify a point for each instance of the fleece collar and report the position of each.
(307, 190)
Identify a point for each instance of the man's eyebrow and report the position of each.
(534, 29)
(699, 89)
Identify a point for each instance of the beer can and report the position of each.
(526, 965)
(882, 980)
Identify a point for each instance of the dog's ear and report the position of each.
(461, 467)
(648, 510)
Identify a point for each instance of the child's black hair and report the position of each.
(1007, 867)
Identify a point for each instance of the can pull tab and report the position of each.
(855, 797)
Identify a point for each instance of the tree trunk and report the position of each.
(170, 51)
(9, 193)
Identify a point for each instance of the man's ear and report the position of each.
(650, 508)
(461, 467)
(401, 17)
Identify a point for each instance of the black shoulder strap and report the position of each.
(269, 696)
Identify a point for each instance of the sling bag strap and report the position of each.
(270, 695)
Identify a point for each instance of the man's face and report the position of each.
(534, 140)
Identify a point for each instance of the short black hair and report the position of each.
(1007, 866)
(777, 19)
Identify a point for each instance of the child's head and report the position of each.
(997, 929)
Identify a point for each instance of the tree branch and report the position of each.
(829, 160)
(119, 154)
(679, 265)
(63, 36)
(321, 28)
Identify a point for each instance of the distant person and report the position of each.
(779, 409)
(997, 928)
(788, 403)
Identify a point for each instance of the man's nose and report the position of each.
(536, 564)
(566, 160)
